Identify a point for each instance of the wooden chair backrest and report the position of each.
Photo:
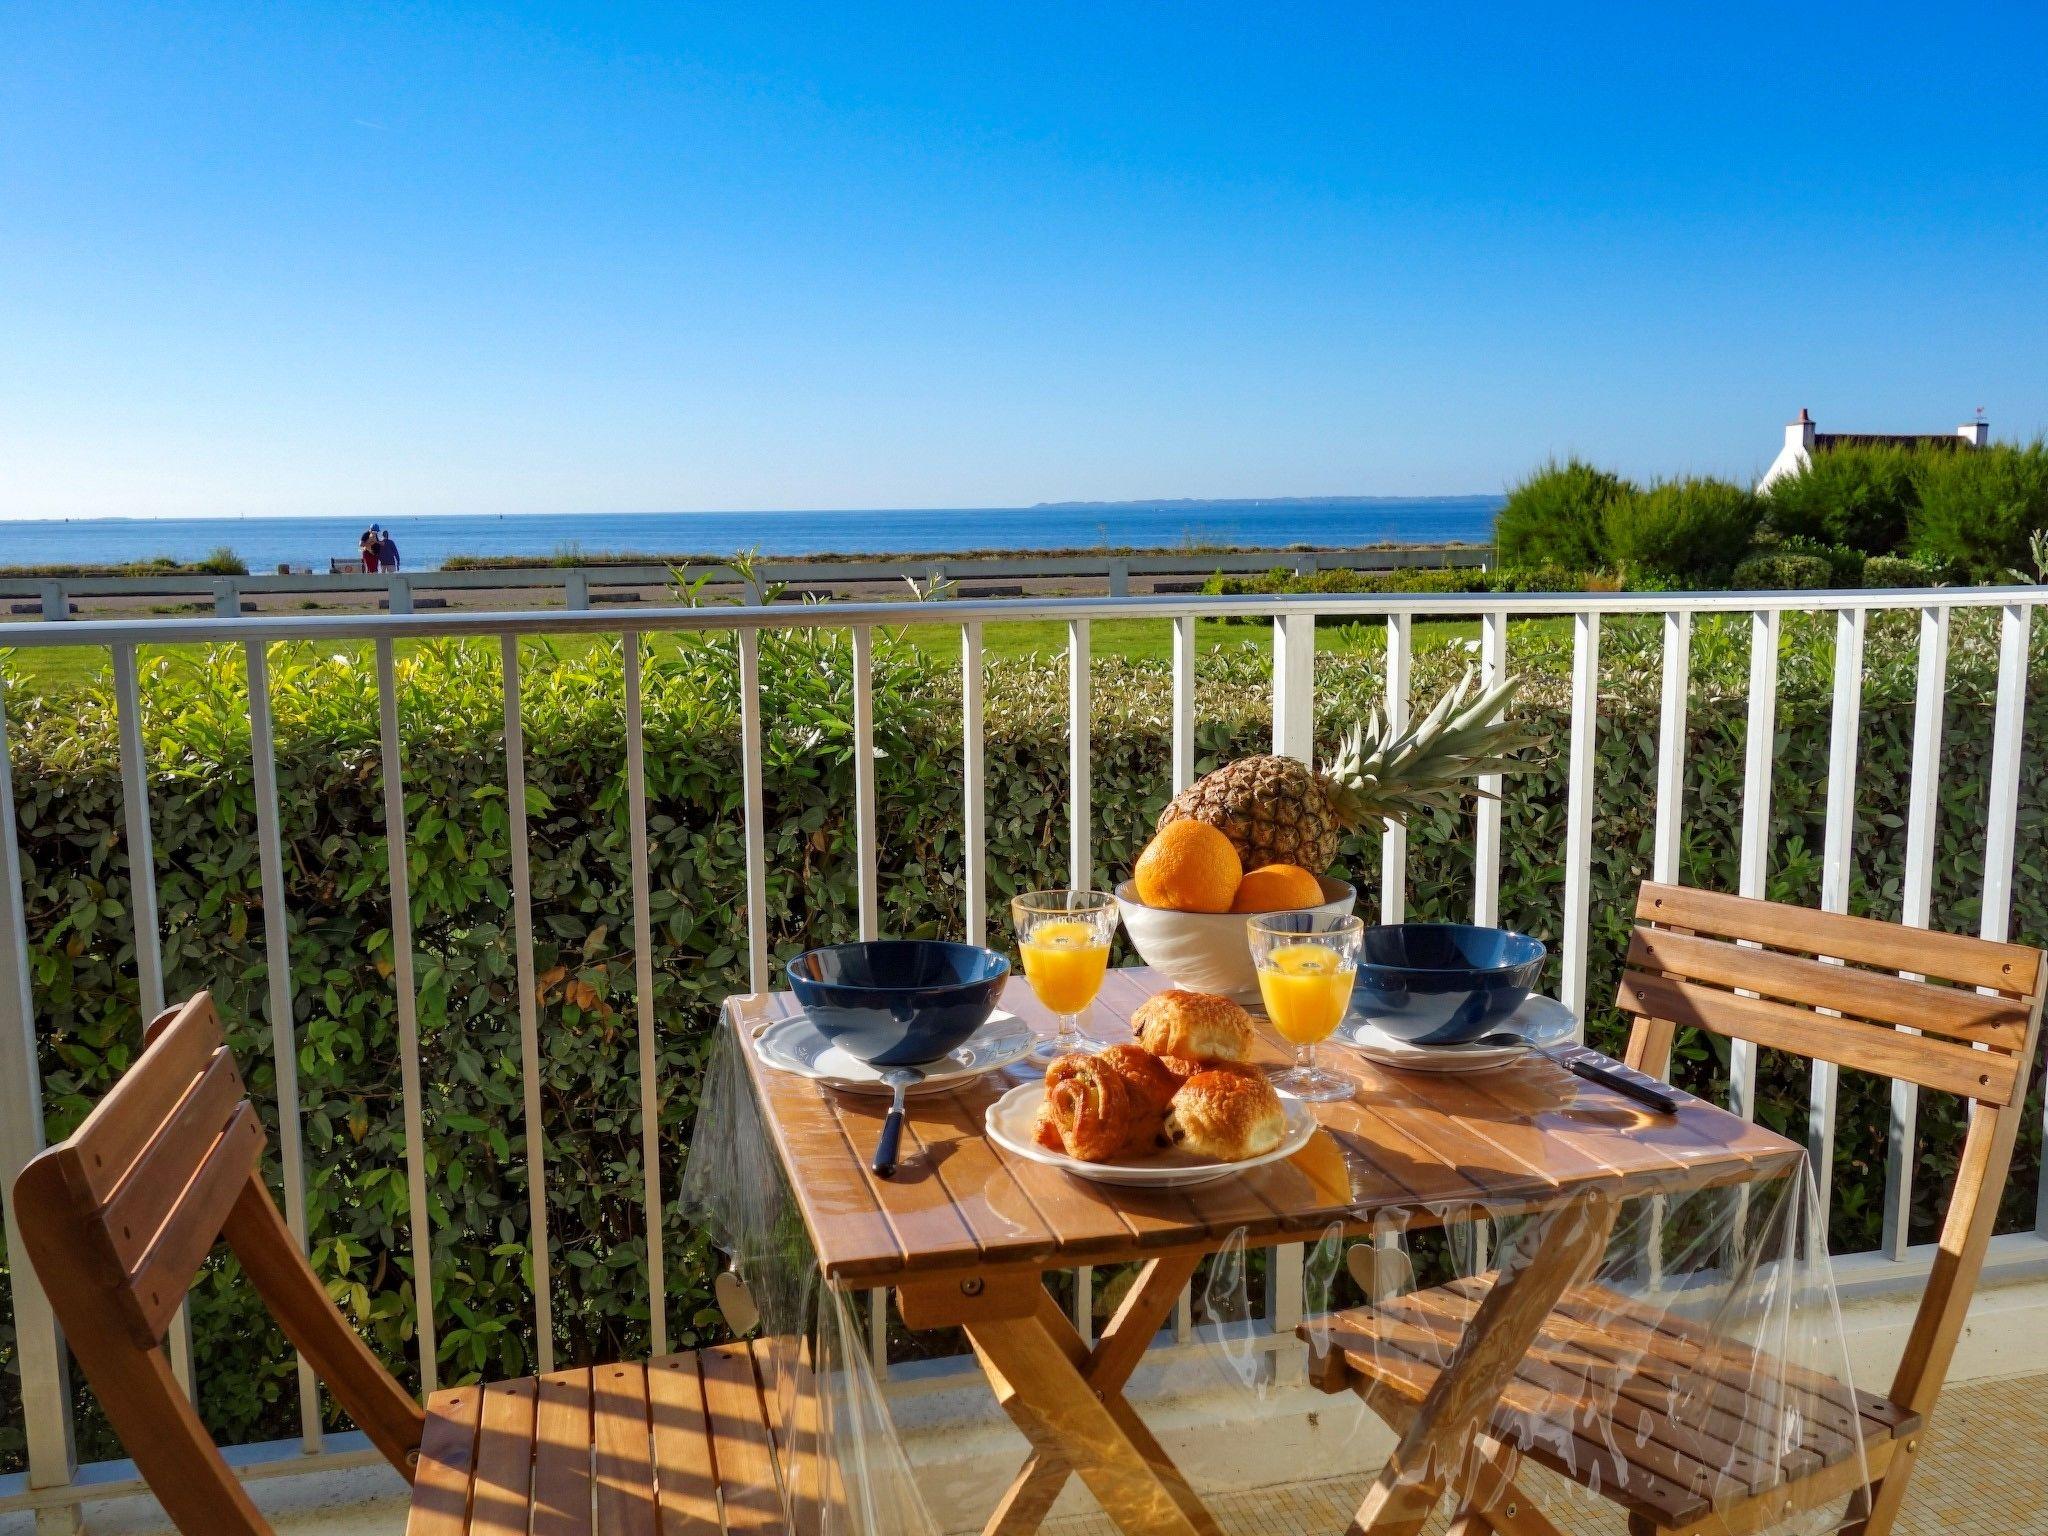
(119, 1217)
(1839, 989)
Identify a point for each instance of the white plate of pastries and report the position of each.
(1180, 1105)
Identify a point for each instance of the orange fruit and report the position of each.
(1278, 888)
(1189, 867)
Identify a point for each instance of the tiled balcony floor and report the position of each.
(1984, 1472)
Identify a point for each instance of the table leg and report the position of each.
(1566, 1246)
(1036, 1365)
(1122, 1345)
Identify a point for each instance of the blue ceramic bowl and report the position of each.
(1443, 983)
(898, 1002)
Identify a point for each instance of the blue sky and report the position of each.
(426, 258)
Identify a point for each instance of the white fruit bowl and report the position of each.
(1209, 951)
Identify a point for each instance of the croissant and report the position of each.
(1193, 1027)
(1094, 1110)
(1152, 1080)
(1226, 1115)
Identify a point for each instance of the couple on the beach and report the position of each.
(380, 550)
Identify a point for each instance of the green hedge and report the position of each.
(67, 786)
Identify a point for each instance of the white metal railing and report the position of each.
(579, 586)
(55, 1485)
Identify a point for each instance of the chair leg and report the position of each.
(1888, 1493)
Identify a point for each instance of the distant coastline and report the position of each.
(425, 542)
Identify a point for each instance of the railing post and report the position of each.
(1294, 686)
(1394, 841)
(866, 855)
(1753, 870)
(227, 598)
(399, 589)
(973, 810)
(38, 1346)
(1578, 816)
(1923, 803)
(1080, 704)
(1493, 666)
(640, 857)
(1183, 703)
(1119, 578)
(576, 588)
(56, 602)
(755, 814)
(1838, 862)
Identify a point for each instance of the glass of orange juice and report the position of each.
(1306, 965)
(1064, 937)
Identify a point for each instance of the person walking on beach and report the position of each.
(387, 551)
(371, 554)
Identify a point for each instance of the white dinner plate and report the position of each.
(796, 1045)
(1540, 1021)
(1013, 1119)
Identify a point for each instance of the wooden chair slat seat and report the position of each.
(684, 1443)
(1657, 1414)
(1689, 1409)
(119, 1217)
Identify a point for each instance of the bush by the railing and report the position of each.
(1692, 530)
(1782, 571)
(1980, 508)
(1901, 571)
(195, 730)
(1557, 516)
(1860, 495)
(1469, 579)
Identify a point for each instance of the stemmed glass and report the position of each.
(1307, 963)
(1064, 939)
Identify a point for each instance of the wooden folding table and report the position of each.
(966, 1232)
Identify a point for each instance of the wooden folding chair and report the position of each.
(1980, 1010)
(118, 1219)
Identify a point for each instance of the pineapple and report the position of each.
(1279, 811)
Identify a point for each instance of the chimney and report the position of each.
(1976, 433)
(1799, 434)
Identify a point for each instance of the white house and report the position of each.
(1803, 441)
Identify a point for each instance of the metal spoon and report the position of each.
(900, 1079)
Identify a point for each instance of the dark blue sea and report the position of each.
(425, 542)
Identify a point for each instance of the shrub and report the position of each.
(1860, 496)
(1555, 517)
(224, 562)
(1980, 508)
(1682, 528)
(1779, 572)
(1899, 571)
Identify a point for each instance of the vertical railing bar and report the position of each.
(1394, 840)
(1838, 863)
(974, 810)
(39, 1351)
(2001, 830)
(869, 874)
(408, 1015)
(1673, 697)
(756, 814)
(1578, 816)
(1286, 1306)
(149, 953)
(1930, 699)
(1080, 703)
(529, 1010)
(1084, 1303)
(1184, 1314)
(1493, 666)
(1294, 687)
(1183, 702)
(1753, 869)
(1671, 727)
(643, 990)
(277, 965)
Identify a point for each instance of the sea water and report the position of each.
(424, 543)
